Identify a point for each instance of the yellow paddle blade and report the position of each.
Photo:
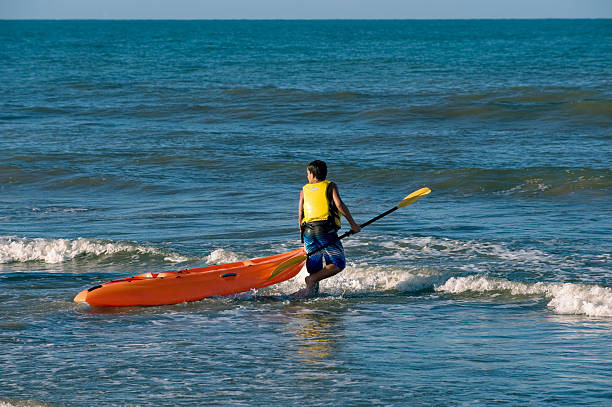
(286, 264)
(413, 197)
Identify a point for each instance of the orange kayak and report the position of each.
(193, 284)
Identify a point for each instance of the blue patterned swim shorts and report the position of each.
(333, 254)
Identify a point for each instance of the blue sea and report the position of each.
(146, 146)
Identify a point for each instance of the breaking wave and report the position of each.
(221, 256)
(18, 249)
(23, 403)
(363, 279)
(565, 298)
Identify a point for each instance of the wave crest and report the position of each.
(221, 256)
(16, 249)
(565, 298)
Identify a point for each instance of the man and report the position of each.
(319, 213)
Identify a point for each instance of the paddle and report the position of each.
(412, 198)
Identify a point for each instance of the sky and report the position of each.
(303, 9)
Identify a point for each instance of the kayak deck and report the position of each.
(192, 284)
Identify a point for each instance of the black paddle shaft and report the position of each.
(350, 232)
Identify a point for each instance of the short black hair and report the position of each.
(318, 168)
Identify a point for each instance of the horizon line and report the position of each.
(307, 19)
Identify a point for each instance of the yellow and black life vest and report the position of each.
(319, 204)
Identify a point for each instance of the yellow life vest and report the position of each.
(319, 204)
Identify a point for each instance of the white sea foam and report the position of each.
(477, 256)
(22, 403)
(54, 209)
(443, 247)
(16, 249)
(533, 186)
(367, 279)
(221, 256)
(565, 298)
(363, 279)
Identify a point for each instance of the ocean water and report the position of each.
(136, 146)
